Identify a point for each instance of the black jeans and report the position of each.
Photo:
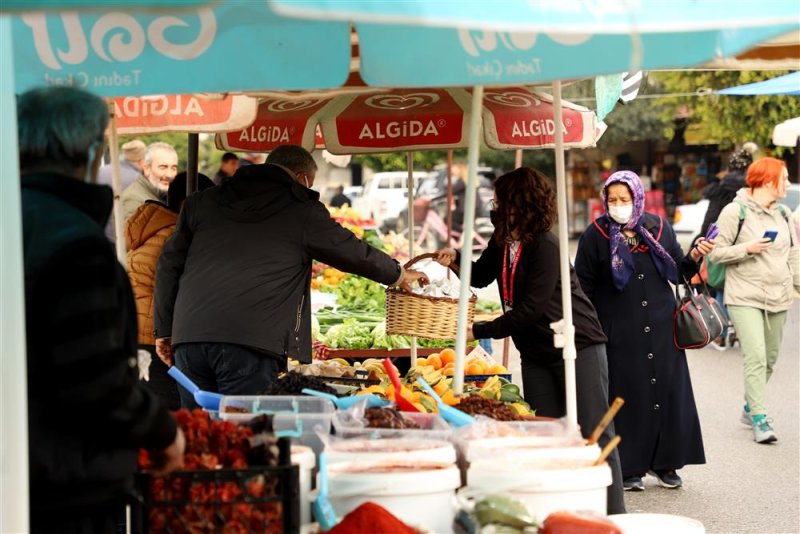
(545, 391)
(225, 368)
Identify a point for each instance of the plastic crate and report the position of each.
(254, 500)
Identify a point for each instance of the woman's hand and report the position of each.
(410, 276)
(702, 248)
(757, 246)
(446, 256)
(470, 335)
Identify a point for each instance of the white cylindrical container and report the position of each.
(544, 485)
(529, 448)
(417, 493)
(305, 459)
(390, 449)
(657, 524)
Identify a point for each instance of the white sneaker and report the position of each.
(762, 431)
(745, 419)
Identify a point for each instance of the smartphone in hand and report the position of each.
(713, 231)
(771, 235)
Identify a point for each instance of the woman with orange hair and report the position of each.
(759, 247)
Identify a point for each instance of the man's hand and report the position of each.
(170, 459)
(446, 256)
(470, 334)
(757, 246)
(411, 276)
(164, 350)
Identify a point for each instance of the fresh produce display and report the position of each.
(480, 405)
(389, 417)
(351, 334)
(208, 495)
(354, 293)
(292, 383)
(501, 510)
(484, 305)
(476, 363)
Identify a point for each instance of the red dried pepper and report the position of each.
(373, 518)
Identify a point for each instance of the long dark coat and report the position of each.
(659, 425)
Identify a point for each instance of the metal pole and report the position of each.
(14, 506)
(410, 185)
(569, 351)
(466, 247)
(192, 163)
(518, 159)
(449, 199)
(116, 186)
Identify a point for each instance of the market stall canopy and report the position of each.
(413, 119)
(782, 85)
(787, 133)
(28, 5)
(183, 113)
(521, 42)
(779, 53)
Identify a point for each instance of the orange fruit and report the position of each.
(447, 356)
(475, 369)
(449, 371)
(435, 361)
(497, 370)
(422, 361)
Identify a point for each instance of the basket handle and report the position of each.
(453, 267)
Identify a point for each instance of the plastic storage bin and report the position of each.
(431, 426)
(298, 417)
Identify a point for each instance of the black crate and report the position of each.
(217, 501)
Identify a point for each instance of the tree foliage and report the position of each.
(726, 120)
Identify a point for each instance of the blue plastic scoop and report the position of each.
(206, 399)
(452, 415)
(323, 509)
(343, 403)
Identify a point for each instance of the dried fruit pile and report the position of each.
(478, 405)
(218, 490)
(387, 418)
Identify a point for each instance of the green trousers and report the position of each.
(760, 334)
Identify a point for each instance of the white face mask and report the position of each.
(621, 214)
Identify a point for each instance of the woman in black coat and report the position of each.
(625, 261)
(523, 257)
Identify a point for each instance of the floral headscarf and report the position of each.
(622, 265)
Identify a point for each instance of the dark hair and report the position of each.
(176, 194)
(57, 126)
(528, 193)
(227, 156)
(294, 157)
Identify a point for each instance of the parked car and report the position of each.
(385, 194)
(689, 217)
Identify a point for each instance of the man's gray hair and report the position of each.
(57, 125)
(294, 157)
(153, 147)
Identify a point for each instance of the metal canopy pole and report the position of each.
(465, 272)
(116, 186)
(410, 185)
(568, 331)
(192, 163)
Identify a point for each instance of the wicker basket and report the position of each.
(423, 316)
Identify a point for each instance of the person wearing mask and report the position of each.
(232, 333)
(130, 168)
(88, 415)
(160, 168)
(145, 234)
(626, 261)
(227, 168)
(762, 272)
(340, 199)
(523, 258)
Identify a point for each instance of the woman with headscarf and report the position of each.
(762, 259)
(523, 258)
(626, 260)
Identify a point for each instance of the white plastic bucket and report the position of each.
(305, 459)
(544, 485)
(417, 493)
(389, 449)
(657, 524)
(536, 447)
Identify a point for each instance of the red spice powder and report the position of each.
(372, 518)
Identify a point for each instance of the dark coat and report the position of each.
(719, 195)
(87, 413)
(339, 200)
(238, 267)
(659, 425)
(537, 301)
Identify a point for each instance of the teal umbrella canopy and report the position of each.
(782, 85)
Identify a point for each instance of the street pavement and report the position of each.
(744, 487)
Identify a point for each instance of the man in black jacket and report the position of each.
(720, 194)
(233, 282)
(87, 414)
